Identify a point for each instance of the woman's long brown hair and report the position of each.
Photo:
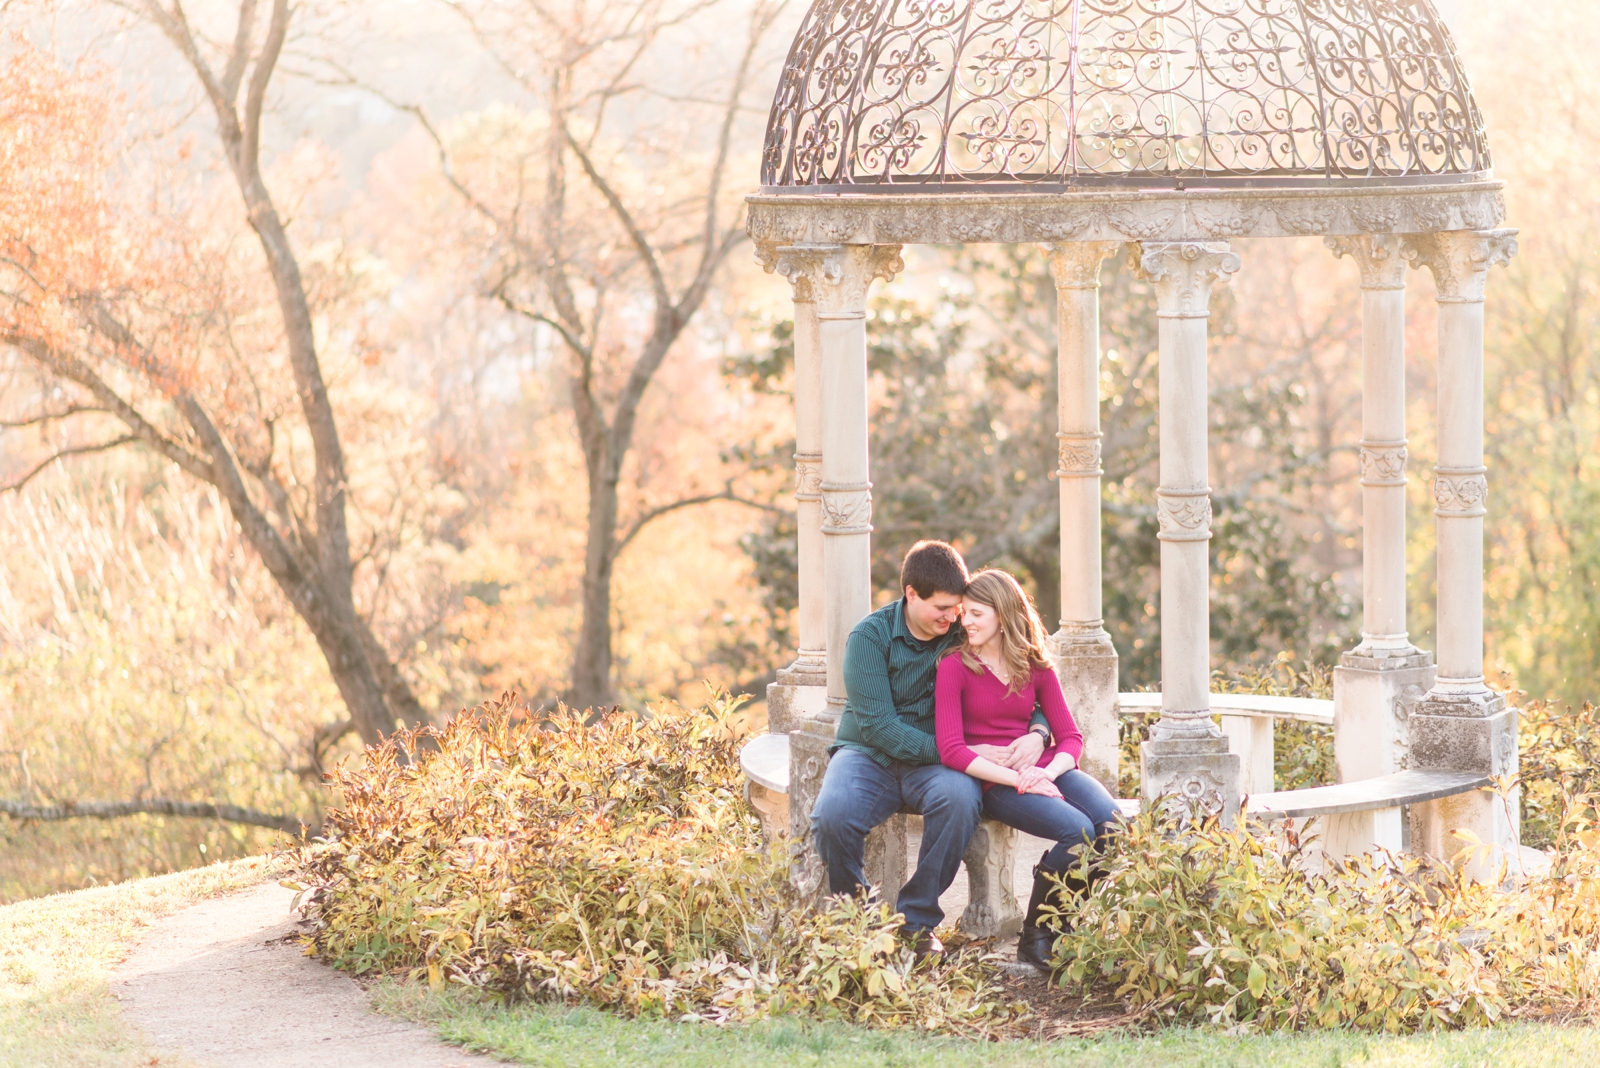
(1021, 635)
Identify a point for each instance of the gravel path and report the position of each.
(218, 985)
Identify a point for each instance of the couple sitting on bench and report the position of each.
(954, 712)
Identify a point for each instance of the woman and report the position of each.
(985, 693)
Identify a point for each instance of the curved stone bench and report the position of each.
(1355, 817)
(1247, 719)
(764, 760)
(1352, 817)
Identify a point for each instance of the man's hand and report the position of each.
(996, 753)
(1021, 754)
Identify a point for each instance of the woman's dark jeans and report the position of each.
(1081, 816)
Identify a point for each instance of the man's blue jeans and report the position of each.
(858, 794)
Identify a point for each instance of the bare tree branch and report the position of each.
(641, 243)
(75, 370)
(110, 810)
(76, 450)
(50, 417)
(689, 502)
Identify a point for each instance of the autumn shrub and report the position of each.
(1233, 927)
(614, 863)
(1559, 759)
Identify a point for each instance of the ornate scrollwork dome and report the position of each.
(957, 95)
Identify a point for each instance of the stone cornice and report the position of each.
(1124, 215)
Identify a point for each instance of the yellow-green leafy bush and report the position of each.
(615, 863)
(1559, 759)
(1228, 927)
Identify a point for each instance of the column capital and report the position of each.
(836, 277)
(1378, 256)
(1076, 264)
(1183, 273)
(1460, 260)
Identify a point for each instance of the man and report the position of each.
(884, 758)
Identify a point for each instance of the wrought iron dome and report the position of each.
(967, 95)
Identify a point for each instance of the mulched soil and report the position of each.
(1073, 1012)
(1058, 1013)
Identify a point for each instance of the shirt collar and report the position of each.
(901, 630)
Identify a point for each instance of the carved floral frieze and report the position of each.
(1460, 493)
(1183, 516)
(846, 510)
(807, 476)
(1383, 463)
(1132, 215)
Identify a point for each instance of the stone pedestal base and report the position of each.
(793, 700)
(1472, 732)
(808, 761)
(1373, 697)
(887, 861)
(1088, 673)
(991, 860)
(1191, 777)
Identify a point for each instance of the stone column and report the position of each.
(801, 689)
(1378, 682)
(1085, 659)
(838, 277)
(1186, 759)
(1462, 725)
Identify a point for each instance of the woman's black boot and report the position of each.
(1036, 942)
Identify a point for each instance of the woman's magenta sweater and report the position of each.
(972, 708)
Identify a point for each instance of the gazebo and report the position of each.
(1166, 128)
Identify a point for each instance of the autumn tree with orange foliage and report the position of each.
(133, 323)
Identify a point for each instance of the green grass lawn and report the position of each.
(56, 958)
(586, 1038)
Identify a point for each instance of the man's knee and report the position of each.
(830, 814)
(841, 809)
(954, 796)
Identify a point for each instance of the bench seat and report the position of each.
(1386, 791)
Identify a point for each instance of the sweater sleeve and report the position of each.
(949, 725)
(866, 686)
(1068, 738)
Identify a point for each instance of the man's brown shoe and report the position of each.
(921, 943)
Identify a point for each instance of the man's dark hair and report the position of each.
(933, 567)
